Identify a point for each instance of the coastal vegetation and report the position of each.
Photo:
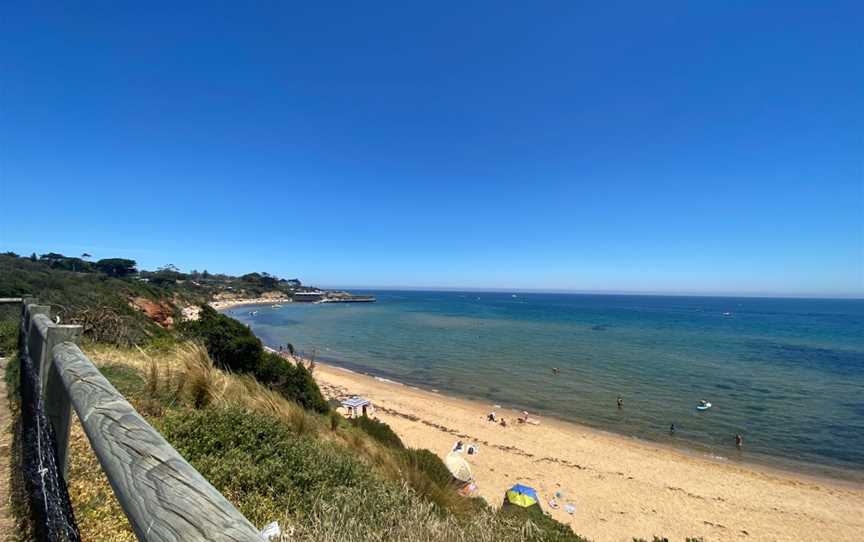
(252, 422)
(118, 304)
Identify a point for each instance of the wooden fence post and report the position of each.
(58, 409)
(43, 336)
(35, 342)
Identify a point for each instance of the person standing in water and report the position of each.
(739, 441)
(672, 429)
(620, 402)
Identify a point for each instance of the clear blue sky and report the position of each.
(711, 147)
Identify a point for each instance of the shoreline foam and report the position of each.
(622, 486)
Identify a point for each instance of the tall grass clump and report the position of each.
(379, 431)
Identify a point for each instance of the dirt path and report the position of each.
(6, 523)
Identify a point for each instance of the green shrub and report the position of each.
(292, 381)
(379, 431)
(260, 463)
(231, 345)
(299, 385)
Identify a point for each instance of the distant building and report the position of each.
(315, 295)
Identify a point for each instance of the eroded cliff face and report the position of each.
(161, 312)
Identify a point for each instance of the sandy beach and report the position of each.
(621, 488)
(192, 312)
(222, 304)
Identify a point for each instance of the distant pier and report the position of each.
(320, 296)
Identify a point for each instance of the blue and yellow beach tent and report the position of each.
(523, 496)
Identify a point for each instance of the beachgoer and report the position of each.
(458, 446)
(503, 422)
(739, 441)
(490, 417)
(556, 370)
(672, 428)
(620, 402)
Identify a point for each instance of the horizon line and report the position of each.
(659, 293)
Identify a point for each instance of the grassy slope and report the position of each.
(276, 461)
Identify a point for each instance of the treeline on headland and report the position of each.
(116, 302)
(254, 423)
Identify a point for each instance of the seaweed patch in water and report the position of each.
(840, 361)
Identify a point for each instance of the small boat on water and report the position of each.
(703, 405)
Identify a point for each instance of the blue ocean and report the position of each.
(787, 374)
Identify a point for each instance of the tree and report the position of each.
(33, 257)
(116, 267)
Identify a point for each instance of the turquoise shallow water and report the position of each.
(788, 374)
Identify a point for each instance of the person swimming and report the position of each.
(620, 402)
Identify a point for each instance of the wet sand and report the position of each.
(621, 487)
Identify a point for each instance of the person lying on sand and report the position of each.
(524, 418)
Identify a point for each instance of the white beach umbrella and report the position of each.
(458, 467)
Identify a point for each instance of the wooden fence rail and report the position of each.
(163, 496)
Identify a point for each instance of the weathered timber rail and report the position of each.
(163, 496)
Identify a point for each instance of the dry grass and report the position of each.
(97, 511)
(185, 376)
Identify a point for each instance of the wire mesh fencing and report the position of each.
(51, 510)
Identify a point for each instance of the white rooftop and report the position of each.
(355, 402)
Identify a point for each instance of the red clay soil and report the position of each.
(160, 312)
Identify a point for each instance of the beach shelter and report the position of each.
(458, 467)
(357, 406)
(523, 496)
